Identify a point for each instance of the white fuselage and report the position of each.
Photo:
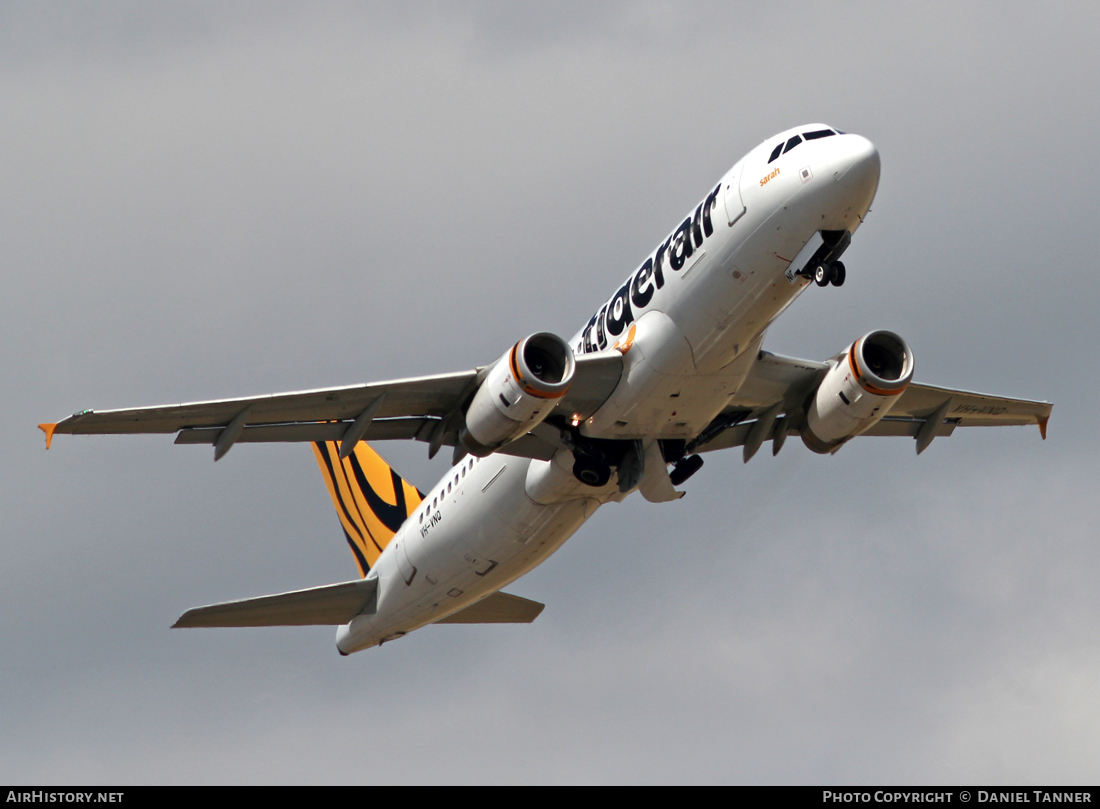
(689, 321)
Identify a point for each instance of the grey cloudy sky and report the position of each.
(207, 200)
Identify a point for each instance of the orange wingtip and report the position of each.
(1043, 427)
(48, 430)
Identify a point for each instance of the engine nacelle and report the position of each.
(858, 391)
(519, 392)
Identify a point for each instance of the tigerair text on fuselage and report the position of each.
(640, 288)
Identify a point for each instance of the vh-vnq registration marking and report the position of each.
(669, 368)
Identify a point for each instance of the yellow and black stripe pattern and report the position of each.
(371, 500)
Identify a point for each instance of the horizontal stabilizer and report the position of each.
(499, 608)
(330, 605)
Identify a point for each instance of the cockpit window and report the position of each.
(783, 148)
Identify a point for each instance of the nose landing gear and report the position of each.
(825, 274)
(825, 266)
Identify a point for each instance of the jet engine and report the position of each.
(519, 392)
(858, 390)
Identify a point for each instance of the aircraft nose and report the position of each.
(857, 162)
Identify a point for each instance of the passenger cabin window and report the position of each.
(792, 143)
(821, 133)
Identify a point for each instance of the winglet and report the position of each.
(1042, 428)
(49, 428)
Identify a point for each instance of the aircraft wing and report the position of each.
(777, 387)
(427, 408)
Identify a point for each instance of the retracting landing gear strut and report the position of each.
(825, 266)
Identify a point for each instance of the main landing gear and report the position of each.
(685, 468)
(594, 459)
(591, 471)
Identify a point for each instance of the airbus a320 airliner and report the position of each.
(670, 367)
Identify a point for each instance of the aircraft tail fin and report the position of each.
(330, 605)
(371, 499)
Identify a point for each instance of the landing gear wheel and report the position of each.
(591, 472)
(684, 469)
(823, 273)
(838, 274)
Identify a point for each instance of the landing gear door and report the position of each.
(799, 268)
(731, 195)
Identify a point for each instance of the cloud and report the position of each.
(206, 201)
